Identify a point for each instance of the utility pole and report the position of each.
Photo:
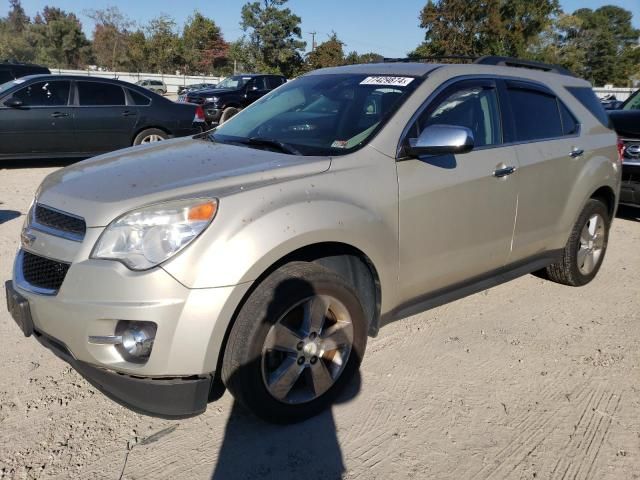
(313, 40)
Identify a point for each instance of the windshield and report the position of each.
(233, 83)
(321, 114)
(633, 103)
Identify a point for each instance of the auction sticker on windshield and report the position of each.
(387, 81)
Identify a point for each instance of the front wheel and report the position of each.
(296, 342)
(227, 113)
(584, 252)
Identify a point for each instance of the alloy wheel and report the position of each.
(591, 244)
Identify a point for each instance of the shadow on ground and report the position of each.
(628, 213)
(38, 163)
(8, 215)
(254, 449)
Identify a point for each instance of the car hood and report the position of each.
(210, 92)
(104, 187)
(626, 123)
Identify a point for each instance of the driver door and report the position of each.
(42, 125)
(456, 217)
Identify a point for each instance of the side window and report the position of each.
(139, 99)
(6, 76)
(260, 82)
(44, 94)
(473, 107)
(570, 125)
(100, 94)
(536, 115)
(274, 82)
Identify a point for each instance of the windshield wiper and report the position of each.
(270, 142)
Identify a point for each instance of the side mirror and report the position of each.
(14, 102)
(441, 139)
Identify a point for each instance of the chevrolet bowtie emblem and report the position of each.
(27, 238)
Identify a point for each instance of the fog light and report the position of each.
(137, 339)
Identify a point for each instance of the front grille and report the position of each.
(42, 272)
(632, 150)
(60, 221)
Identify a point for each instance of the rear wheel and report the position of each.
(150, 135)
(295, 344)
(584, 252)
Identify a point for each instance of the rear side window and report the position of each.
(138, 98)
(274, 82)
(100, 94)
(589, 101)
(44, 94)
(570, 125)
(535, 114)
(5, 76)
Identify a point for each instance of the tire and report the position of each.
(575, 269)
(278, 386)
(227, 113)
(150, 135)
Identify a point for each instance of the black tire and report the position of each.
(567, 270)
(147, 133)
(227, 113)
(242, 368)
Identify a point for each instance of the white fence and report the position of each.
(172, 81)
(620, 93)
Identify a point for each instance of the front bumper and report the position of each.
(630, 186)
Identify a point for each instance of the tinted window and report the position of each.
(5, 76)
(535, 114)
(633, 103)
(589, 100)
(274, 82)
(475, 108)
(138, 98)
(96, 93)
(569, 122)
(258, 82)
(44, 94)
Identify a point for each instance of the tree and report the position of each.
(14, 42)
(327, 54)
(17, 20)
(272, 38)
(137, 53)
(483, 27)
(163, 45)
(58, 39)
(203, 46)
(110, 37)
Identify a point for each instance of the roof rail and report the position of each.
(468, 59)
(516, 62)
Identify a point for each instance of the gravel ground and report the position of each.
(526, 380)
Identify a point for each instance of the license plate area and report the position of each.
(18, 307)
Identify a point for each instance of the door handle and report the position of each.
(59, 114)
(128, 113)
(503, 172)
(576, 152)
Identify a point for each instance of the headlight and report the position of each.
(212, 99)
(146, 237)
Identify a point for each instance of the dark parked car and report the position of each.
(626, 121)
(46, 116)
(233, 94)
(182, 89)
(12, 70)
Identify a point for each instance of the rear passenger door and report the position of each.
(103, 120)
(546, 137)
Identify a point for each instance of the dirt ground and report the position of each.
(526, 380)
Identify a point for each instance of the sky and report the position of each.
(363, 25)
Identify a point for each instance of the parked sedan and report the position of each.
(47, 116)
(626, 122)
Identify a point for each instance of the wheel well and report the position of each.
(608, 197)
(148, 128)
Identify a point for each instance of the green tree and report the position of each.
(483, 27)
(58, 39)
(327, 54)
(163, 45)
(137, 53)
(110, 37)
(14, 38)
(203, 46)
(272, 38)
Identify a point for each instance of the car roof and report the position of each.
(391, 68)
